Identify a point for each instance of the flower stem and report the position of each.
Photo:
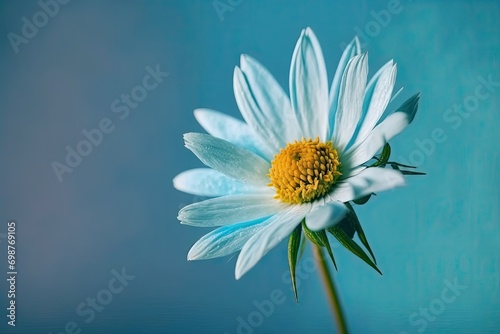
(330, 290)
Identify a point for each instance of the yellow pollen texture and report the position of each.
(304, 171)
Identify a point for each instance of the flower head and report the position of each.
(294, 158)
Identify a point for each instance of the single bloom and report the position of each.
(294, 157)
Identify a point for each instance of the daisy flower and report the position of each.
(298, 157)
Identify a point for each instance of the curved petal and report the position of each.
(326, 216)
(229, 159)
(352, 89)
(252, 113)
(309, 86)
(233, 130)
(353, 49)
(391, 126)
(224, 240)
(279, 227)
(369, 181)
(266, 106)
(231, 209)
(209, 182)
(377, 96)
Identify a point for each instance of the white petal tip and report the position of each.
(244, 58)
(240, 269)
(176, 182)
(199, 113)
(238, 275)
(193, 254)
(189, 136)
(309, 36)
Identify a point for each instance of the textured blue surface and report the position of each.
(117, 209)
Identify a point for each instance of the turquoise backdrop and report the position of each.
(104, 232)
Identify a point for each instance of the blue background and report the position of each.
(118, 208)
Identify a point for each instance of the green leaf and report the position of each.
(384, 156)
(396, 165)
(328, 247)
(347, 227)
(293, 250)
(386, 153)
(313, 236)
(392, 163)
(362, 200)
(320, 239)
(351, 245)
(302, 246)
(409, 172)
(357, 225)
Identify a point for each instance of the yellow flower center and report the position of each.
(304, 171)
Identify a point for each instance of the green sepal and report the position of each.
(313, 236)
(362, 200)
(353, 218)
(393, 163)
(303, 244)
(320, 239)
(409, 172)
(384, 156)
(352, 246)
(346, 225)
(396, 166)
(293, 249)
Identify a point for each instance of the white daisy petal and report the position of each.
(309, 86)
(353, 49)
(230, 209)
(209, 182)
(352, 89)
(377, 96)
(229, 159)
(370, 180)
(251, 112)
(233, 130)
(279, 227)
(273, 115)
(326, 216)
(225, 240)
(391, 126)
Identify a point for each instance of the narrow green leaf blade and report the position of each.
(399, 164)
(345, 224)
(352, 246)
(384, 156)
(313, 236)
(362, 200)
(302, 246)
(396, 167)
(409, 172)
(386, 153)
(320, 239)
(293, 250)
(357, 225)
(328, 247)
